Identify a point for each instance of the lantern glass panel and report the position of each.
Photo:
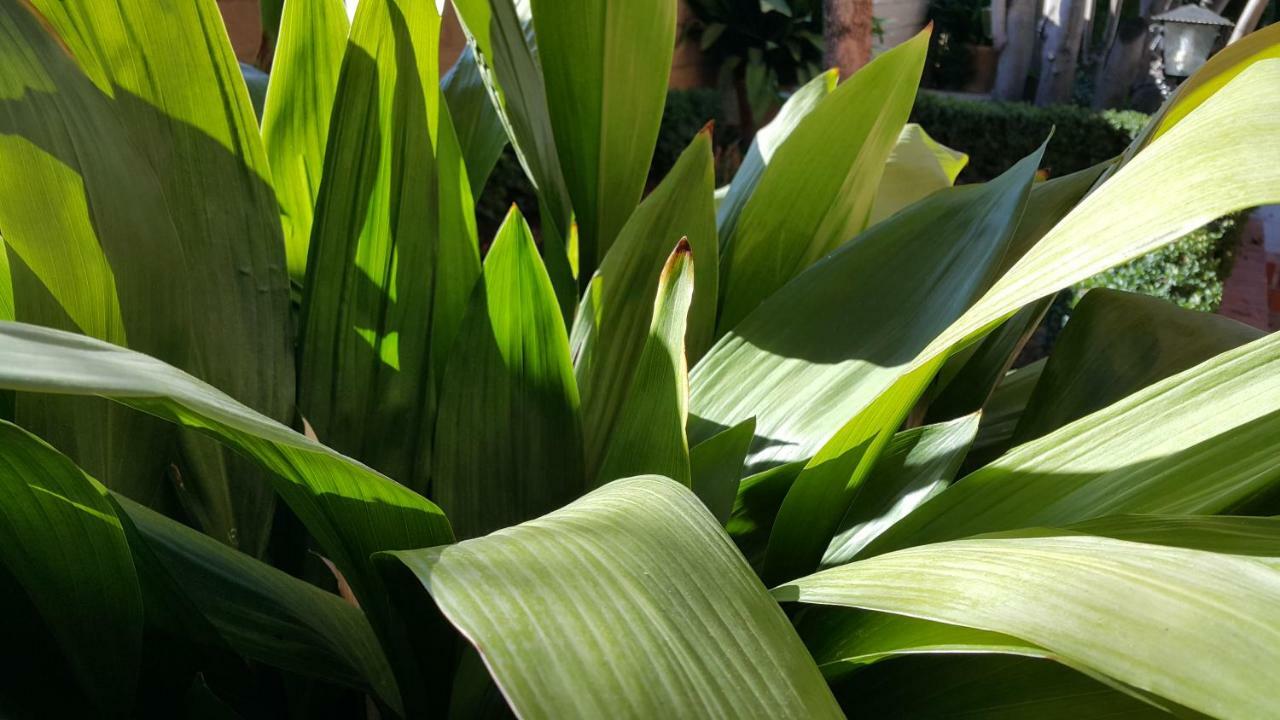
(1187, 47)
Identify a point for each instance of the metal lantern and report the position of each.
(1190, 33)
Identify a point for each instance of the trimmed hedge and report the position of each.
(998, 134)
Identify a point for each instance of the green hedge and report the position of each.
(998, 134)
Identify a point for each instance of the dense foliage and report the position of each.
(280, 441)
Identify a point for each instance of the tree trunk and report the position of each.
(1114, 9)
(847, 34)
(1126, 61)
(1015, 57)
(1249, 18)
(1060, 45)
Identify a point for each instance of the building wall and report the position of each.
(901, 19)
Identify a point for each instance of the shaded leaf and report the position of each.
(614, 320)
(716, 467)
(480, 131)
(263, 613)
(1116, 344)
(351, 510)
(508, 443)
(649, 436)
(392, 261)
(64, 545)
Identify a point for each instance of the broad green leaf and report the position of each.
(613, 322)
(821, 337)
(508, 443)
(553, 606)
(1253, 536)
(173, 80)
(916, 465)
(1222, 158)
(843, 639)
(985, 687)
(763, 146)
(480, 131)
(1149, 616)
(917, 166)
(1196, 442)
(756, 507)
(818, 189)
(63, 543)
(501, 32)
(1116, 344)
(605, 67)
(649, 436)
(262, 613)
(715, 466)
(392, 265)
(91, 216)
(1003, 410)
(970, 375)
(349, 509)
(295, 123)
(49, 184)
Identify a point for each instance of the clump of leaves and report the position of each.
(582, 476)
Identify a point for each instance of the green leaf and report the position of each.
(1196, 442)
(986, 687)
(349, 509)
(508, 443)
(262, 613)
(1116, 344)
(819, 187)
(295, 123)
(605, 66)
(136, 190)
(1220, 156)
(613, 322)
(823, 337)
(480, 131)
(842, 640)
(969, 376)
(649, 436)
(1002, 412)
(916, 465)
(846, 343)
(392, 262)
(501, 31)
(1254, 536)
(64, 545)
(756, 507)
(715, 466)
(765, 144)
(1112, 606)
(552, 606)
(917, 166)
